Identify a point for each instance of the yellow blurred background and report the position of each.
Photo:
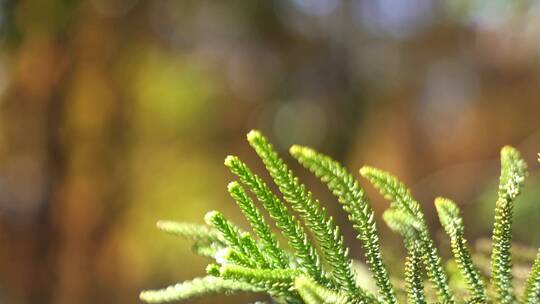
(117, 113)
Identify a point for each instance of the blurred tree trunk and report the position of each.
(32, 163)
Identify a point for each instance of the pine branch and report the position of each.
(276, 255)
(234, 238)
(244, 264)
(413, 273)
(308, 258)
(232, 256)
(513, 172)
(393, 190)
(214, 269)
(273, 281)
(476, 301)
(354, 201)
(194, 232)
(532, 287)
(207, 250)
(313, 293)
(452, 223)
(207, 241)
(253, 250)
(400, 197)
(196, 288)
(402, 223)
(531, 295)
(327, 234)
(408, 227)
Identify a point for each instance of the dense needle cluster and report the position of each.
(314, 266)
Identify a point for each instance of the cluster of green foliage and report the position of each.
(321, 271)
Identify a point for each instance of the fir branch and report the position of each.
(308, 258)
(513, 172)
(400, 197)
(354, 201)
(327, 234)
(196, 288)
(276, 255)
(452, 223)
(531, 294)
(313, 293)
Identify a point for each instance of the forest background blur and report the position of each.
(114, 114)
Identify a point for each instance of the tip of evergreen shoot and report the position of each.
(143, 296)
(445, 203)
(366, 170)
(253, 135)
(161, 224)
(511, 155)
(232, 186)
(508, 150)
(448, 214)
(440, 200)
(446, 208)
(166, 226)
(210, 216)
(229, 160)
(393, 221)
(152, 296)
(297, 150)
(514, 169)
(401, 222)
